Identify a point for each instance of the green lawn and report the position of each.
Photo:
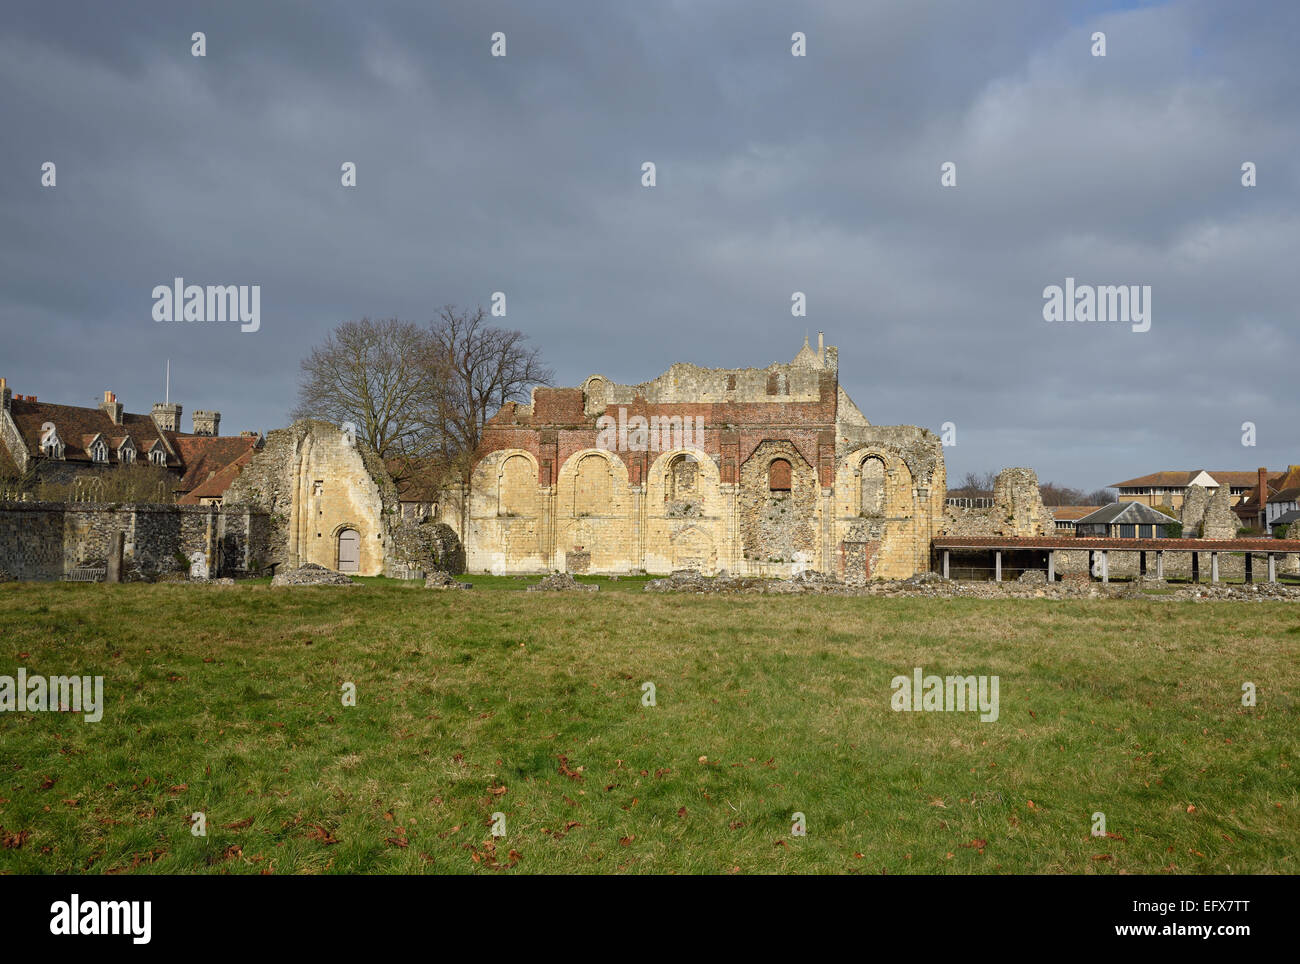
(226, 700)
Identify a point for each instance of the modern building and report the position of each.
(1169, 488)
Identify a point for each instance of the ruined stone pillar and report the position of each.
(115, 543)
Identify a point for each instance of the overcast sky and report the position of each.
(775, 174)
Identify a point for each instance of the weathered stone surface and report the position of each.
(1195, 501)
(556, 490)
(314, 483)
(562, 582)
(428, 545)
(1017, 510)
(443, 580)
(43, 540)
(1220, 521)
(311, 574)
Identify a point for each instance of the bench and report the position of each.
(84, 574)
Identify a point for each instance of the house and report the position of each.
(1125, 520)
(1275, 494)
(1283, 505)
(63, 444)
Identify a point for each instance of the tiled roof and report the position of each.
(1286, 495)
(77, 428)
(1068, 513)
(1177, 479)
(209, 461)
(208, 464)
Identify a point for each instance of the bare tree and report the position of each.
(975, 484)
(383, 377)
(486, 367)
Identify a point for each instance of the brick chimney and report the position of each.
(167, 416)
(206, 423)
(112, 407)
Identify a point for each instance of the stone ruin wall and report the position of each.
(1017, 510)
(44, 540)
(312, 483)
(1209, 515)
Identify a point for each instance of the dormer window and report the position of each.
(126, 452)
(158, 457)
(99, 451)
(51, 444)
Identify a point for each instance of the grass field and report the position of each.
(227, 701)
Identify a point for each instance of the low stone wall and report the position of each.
(1178, 565)
(43, 540)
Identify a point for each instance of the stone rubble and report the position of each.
(562, 582)
(311, 574)
(932, 585)
(443, 580)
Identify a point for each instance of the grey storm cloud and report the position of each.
(775, 174)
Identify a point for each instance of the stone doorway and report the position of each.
(349, 550)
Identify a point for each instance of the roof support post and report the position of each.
(1250, 567)
(997, 566)
(1214, 567)
(1272, 568)
(1160, 564)
(1105, 565)
(945, 563)
(1051, 565)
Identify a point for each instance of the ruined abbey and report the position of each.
(757, 471)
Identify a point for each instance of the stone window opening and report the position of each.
(871, 502)
(99, 452)
(126, 454)
(158, 457)
(778, 476)
(683, 478)
(592, 487)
